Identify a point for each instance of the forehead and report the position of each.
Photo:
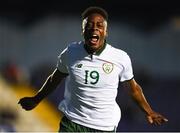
(95, 17)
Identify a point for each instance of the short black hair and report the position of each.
(94, 9)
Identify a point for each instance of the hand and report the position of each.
(156, 118)
(28, 103)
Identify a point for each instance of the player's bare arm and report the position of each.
(28, 103)
(137, 94)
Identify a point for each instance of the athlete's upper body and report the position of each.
(91, 87)
(93, 69)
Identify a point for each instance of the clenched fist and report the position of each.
(28, 103)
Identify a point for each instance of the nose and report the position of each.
(94, 27)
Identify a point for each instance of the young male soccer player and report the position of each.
(93, 69)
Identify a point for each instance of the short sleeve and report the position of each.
(62, 62)
(127, 72)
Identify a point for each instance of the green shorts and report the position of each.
(68, 126)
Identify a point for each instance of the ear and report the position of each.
(106, 32)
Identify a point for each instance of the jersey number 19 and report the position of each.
(91, 77)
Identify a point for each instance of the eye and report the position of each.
(89, 25)
(100, 25)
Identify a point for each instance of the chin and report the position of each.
(93, 47)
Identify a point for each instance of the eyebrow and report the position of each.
(85, 21)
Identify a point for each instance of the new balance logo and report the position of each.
(79, 65)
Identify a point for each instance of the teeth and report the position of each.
(94, 35)
(94, 38)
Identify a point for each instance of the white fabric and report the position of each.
(91, 87)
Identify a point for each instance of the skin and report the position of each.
(136, 92)
(95, 24)
(51, 83)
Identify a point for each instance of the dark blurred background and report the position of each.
(33, 33)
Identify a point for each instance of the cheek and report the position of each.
(104, 34)
(85, 34)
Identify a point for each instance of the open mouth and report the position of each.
(94, 38)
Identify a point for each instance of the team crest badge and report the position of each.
(107, 67)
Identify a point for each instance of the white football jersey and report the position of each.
(91, 87)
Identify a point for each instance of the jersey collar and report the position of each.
(97, 52)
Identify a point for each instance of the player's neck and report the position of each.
(95, 52)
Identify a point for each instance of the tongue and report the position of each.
(94, 39)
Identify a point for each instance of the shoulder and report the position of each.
(74, 48)
(116, 52)
(69, 50)
(74, 45)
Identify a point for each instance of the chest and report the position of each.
(96, 72)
